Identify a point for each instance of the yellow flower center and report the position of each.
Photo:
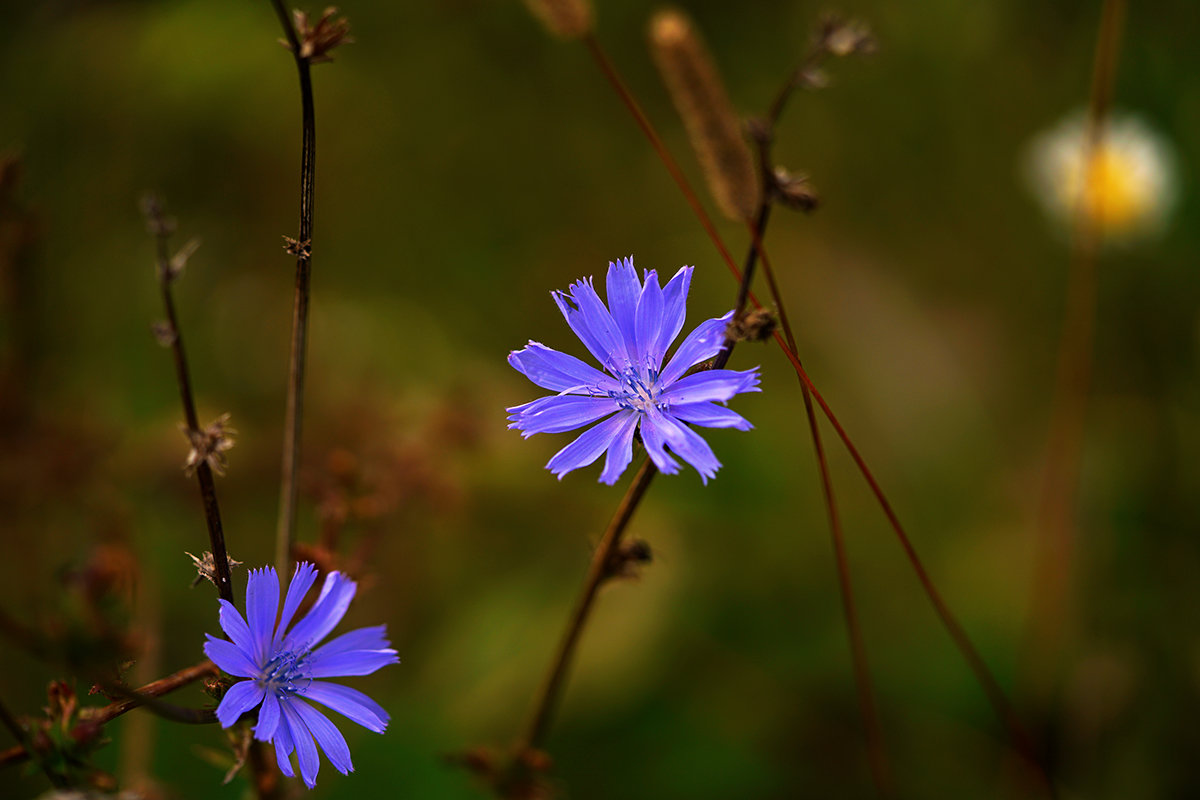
(1115, 195)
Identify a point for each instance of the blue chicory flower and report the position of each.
(630, 338)
(284, 668)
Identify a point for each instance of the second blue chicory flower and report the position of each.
(630, 338)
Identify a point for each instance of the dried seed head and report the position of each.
(180, 259)
(298, 248)
(206, 567)
(695, 87)
(794, 191)
(841, 37)
(566, 19)
(752, 326)
(316, 41)
(164, 333)
(209, 445)
(157, 222)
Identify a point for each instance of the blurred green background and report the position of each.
(467, 165)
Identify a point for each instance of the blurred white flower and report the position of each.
(1126, 186)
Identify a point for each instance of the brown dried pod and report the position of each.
(712, 126)
(566, 19)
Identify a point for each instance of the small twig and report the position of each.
(160, 228)
(138, 697)
(294, 414)
(22, 736)
(600, 569)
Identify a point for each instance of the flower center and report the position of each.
(285, 674)
(638, 392)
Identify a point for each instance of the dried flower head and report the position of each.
(755, 325)
(712, 126)
(209, 445)
(630, 338)
(840, 37)
(297, 248)
(206, 567)
(1122, 182)
(794, 191)
(566, 19)
(316, 41)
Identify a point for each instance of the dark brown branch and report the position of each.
(294, 413)
(160, 228)
(599, 570)
(138, 697)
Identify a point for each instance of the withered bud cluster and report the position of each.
(793, 191)
(628, 559)
(566, 19)
(755, 325)
(209, 445)
(158, 224)
(298, 248)
(712, 126)
(840, 37)
(317, 40)
(206, 567)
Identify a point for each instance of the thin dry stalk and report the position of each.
(995, 694)
(285, 533)
(168, 269)
(1057, 514)
(695, 86)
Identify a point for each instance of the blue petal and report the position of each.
(561, 413)
(350, 703)
(328, 737)
(620, 451)
(595, 327)
(623, 289)
(284, 745)
(229, 657)
(703, 343)
(675, 295)
(649, 321)
(559, 372)
(241, 697)
(652, 437)
(306, 750)
(351, 662)
(372, 638)
(235, 627)
(710, 415)
(268, 718)
(588, 447)
(302, 580)
(262, 604)
(336, 593)
(689, 445)
(714, 384)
